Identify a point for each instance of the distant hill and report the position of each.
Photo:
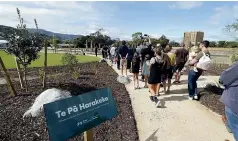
(6, 30)
(46, 34)
(59, 35)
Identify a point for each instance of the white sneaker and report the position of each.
(195, 97)
(188, 97)
(157, 104)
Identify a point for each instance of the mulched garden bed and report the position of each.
(210, 97)
(14, 128)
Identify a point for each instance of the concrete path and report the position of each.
(179, 120)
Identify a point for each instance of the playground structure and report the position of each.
(194, 36)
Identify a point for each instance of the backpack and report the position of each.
(204, 62)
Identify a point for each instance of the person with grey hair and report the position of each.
(112, 53)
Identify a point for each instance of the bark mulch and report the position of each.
(14, 128)
(210, 97)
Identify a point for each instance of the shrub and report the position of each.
(233, 58)
(69, 59)
(76, 73)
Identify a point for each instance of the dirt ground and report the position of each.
(14, 128)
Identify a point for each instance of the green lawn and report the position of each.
(53, 60)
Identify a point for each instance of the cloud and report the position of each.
(224, 15)
(186, 5)
(62, 17)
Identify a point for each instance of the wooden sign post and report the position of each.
(88, 135)
(6, 75)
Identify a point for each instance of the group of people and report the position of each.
(158, 64)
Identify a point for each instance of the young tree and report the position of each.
(7, 77)
(24, 45)
(45, 63)
(55, 44)
(232, 27)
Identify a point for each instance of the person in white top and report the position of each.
(113, 53)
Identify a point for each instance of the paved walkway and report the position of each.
(179, 120)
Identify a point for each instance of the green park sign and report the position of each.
(69, 117)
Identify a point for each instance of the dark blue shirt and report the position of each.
(123, 51)
(130, 53)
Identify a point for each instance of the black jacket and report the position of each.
(147, 51)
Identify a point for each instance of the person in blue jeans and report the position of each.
(229, 79)
(192, 83)
(194, 75)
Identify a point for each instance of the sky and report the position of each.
(122, 19)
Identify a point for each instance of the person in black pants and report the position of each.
(109, 53)
(96, 51)
(130, 57)
(118, 57)
(103, 54)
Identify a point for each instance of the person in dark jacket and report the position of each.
(130, 57)
(108, 51)
(229, 79)
(123, 52)
(103, 52)
(96, 51)
(105, 48)
(147, 51)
